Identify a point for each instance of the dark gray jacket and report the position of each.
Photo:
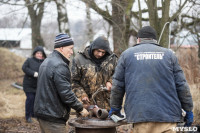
(155, 85)
(54, 96)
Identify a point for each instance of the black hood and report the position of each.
(39, 48)
(99, 43)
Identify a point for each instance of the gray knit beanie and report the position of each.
(62, 40)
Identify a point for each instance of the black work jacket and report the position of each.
(54, 96)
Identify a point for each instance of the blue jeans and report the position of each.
(29, 105)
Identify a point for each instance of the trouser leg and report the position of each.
(32, 104)
(51, 127)
(154, 127)
(29, 105)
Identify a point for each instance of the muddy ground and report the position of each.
(18, 125)
(12, 110)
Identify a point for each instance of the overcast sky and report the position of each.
(76, 11)
(75, 8)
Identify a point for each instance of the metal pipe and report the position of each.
(99, 90)
(100, 113)
(17, 86)
(163, 31)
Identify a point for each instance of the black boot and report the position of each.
(29, 120)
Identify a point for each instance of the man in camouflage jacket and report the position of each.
(92, 69)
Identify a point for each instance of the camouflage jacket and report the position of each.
(87, 77)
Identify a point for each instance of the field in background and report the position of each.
(190, 63)
(12, 100)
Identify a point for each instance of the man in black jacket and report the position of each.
(54, 96)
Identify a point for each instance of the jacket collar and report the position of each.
(145, 41)
(63, 57)
(38, 60)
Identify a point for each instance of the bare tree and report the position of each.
(35, 11)
(62, 18)
(194, 24)
(89, 29)
(122, 17)
(159, 22)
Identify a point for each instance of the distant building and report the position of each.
(15, 37)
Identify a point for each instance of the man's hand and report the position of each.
(108, 86)
(84, 113)
(85, 99)
(188, 118)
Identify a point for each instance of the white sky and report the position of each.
(75, 8)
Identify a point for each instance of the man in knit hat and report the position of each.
(155, 86)
(92, 70)
(54, 96)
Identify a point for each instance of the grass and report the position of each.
(12, 100)
(195, 91)
(189, 61)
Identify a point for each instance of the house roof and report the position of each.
(14, 34)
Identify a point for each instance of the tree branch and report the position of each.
(177, 12)
(137, 17)
(188, 16)
(104, 14)
(15, 4)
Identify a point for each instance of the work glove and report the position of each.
(116, 112)
(84, 113)
(35, 74)
(188, 118)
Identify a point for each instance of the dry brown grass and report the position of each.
(12, 100)
(189, 61)
(10, 65)
(195, 91)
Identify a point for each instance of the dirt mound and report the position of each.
(11, 99)
(10, 65)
